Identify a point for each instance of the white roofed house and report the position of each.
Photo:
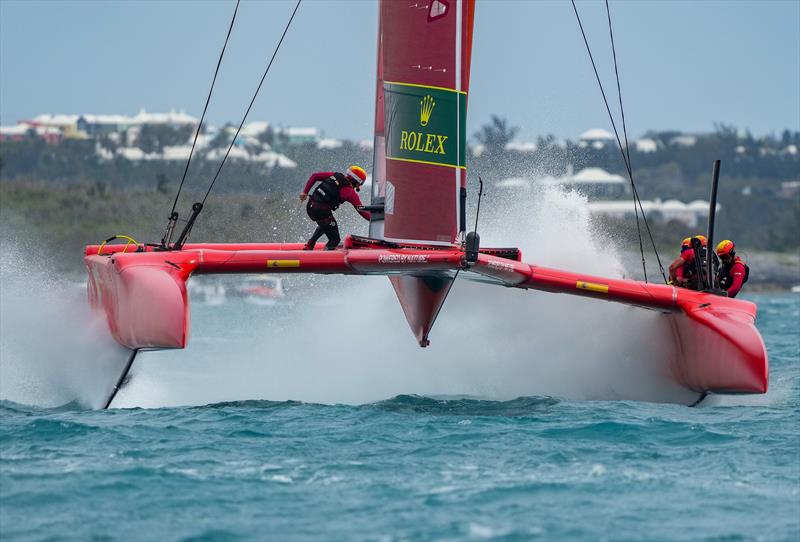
(260, 132)
(135, 154)
(56, 121)
(254, 129)
(66, 124)
(594, 182)
(646, 144)
(683, 140)
(300, 136)
(173, 118)
(97, 125)
(28, 129)
(329, 143)
(16, 132)
(273, 159)
(692, 215)
(596, 138)
(269, 158)
(180, 153)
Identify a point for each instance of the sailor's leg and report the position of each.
(332, 232)
(322, 216)
(317, 234)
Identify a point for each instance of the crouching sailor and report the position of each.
(733, 272)
(334, 188)
(683, 271)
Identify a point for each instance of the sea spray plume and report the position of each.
(553, 227)
(53, 350)
(344, 340)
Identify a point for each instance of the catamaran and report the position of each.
(418, 233)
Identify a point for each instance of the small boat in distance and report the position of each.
(261, 289)
(207, 293)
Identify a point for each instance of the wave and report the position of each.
(464, 406)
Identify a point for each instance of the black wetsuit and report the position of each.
(323, 201)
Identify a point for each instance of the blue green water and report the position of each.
(415, 468)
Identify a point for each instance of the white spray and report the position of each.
(53, 350)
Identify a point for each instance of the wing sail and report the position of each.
(419, 173)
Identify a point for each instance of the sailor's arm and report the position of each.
(315, 177)
(737, 275)
(676, 270)
(349, 195)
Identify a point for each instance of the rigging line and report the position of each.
(600, 84)
(630, 164)
(627, 147)
(208, 100)
(650, 234)
(616, 132)
(263, 77)
(619, 90)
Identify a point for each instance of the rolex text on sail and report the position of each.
(422, 124)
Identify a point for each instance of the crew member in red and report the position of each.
(334, 188)
(733, 272)
(683, 271)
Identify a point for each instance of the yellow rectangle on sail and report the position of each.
(592, 287)
(283, 263)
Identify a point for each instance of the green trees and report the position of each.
(154, 137)
(496, 135)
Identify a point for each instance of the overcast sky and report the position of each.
(683, 65)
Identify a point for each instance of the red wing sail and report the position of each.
(419, 171)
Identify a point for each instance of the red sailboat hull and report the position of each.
(717, 347)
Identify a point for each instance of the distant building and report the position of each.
(269, 158)
(595, 182)
(17, 132)
(135, 154)
(254, 129)
(596, 138)
(173, 118)
(64, 122)
(684, 141)
(646, 144)
(180, 153)
(27, 129)
(300, 136)
(329, 143)
(692, 214)
(99, 125)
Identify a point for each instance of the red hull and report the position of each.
(717, 346)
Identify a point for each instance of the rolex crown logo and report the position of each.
(426, 106)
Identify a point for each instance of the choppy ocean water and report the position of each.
(411, 467)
